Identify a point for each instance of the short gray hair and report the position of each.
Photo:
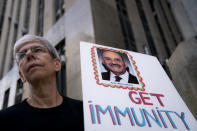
(33, 38)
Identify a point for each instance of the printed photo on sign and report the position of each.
(115, 68)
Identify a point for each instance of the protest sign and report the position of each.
(143, 99)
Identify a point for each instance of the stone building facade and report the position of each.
(166, 29)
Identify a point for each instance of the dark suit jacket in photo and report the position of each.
(132, 78)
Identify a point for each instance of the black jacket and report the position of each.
(132, 78)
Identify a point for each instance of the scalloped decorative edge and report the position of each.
(95, 68)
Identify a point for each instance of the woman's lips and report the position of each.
(32, 66)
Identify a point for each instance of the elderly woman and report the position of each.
(45, 109)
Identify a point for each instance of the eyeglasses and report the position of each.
(34, 49)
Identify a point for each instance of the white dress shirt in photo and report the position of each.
(124, 77)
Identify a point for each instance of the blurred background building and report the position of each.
(166, 29)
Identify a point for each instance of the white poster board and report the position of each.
(151, 104)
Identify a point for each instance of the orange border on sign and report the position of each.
(95, 68)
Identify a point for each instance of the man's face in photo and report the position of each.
(114, 62)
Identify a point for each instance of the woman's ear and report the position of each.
(22, 77)
(57, 64)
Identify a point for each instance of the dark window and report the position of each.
(59, 8)
(6, 98)
(168, 24)
(177, 28)
(146, 28)
(151, 5)
(160, 29)
(40, 18)
(25, 29)
(2, 15)
(61, 75)
(19, 91)
(12, 7)
(162, 35)
(125, 25)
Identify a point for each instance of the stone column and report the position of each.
(49, 14)
(136, 25)
(13, 33)
(190, 7)
(167, 34)
(159, 45)
(183, 68)
(183, 19)
(22, 18)
(78, 27)
(170, 19)
(12, 93)
(4, 35)
(69, 3)
(33, 17)
(106, 23)
(183, 62)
